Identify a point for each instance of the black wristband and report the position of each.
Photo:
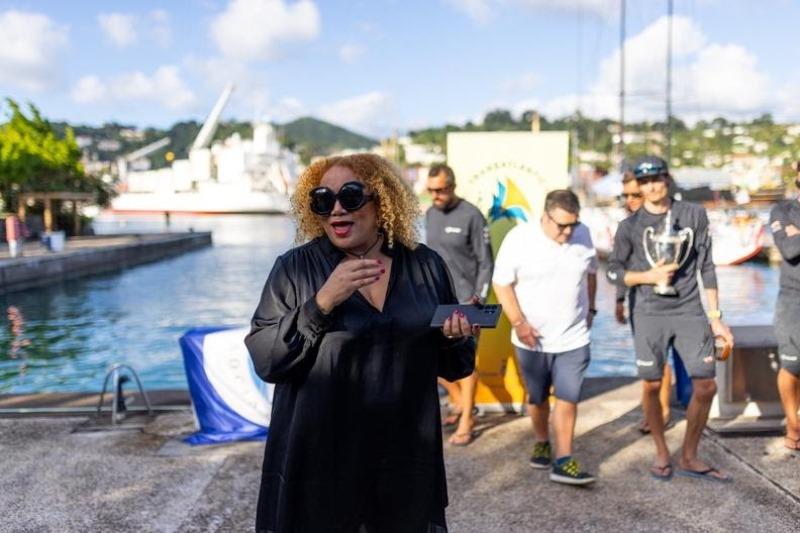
(592, 311)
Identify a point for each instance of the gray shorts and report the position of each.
(787, 332)
(690, 336)
(563, 370)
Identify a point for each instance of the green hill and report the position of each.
(311, 136)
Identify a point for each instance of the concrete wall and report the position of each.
(40, 270)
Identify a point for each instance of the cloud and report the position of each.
(478, 10)
(370, 113)
(164, 87)
(88, 90)
(708, 79)
(482, 11)
(161, 31)
(258, 29)
(119, 28)
(350, 53)
(30, 49)
(725, 77)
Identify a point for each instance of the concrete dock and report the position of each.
(91, 255)
(57, 477)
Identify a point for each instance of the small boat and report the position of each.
(735, 238)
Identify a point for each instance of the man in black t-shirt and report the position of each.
(457, 231)
(632, 200)
(677, 320)
(784, 221)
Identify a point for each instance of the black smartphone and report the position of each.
(485, 316)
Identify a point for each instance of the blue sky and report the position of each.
(383, 65)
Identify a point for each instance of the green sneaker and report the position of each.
(570, 473)
(542, 455)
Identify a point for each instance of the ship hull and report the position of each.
(198, 203)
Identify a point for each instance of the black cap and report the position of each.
(650, 165)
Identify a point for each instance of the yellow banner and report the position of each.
(506, 175)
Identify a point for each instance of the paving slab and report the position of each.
(55, 479)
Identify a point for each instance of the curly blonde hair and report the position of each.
(397, 205)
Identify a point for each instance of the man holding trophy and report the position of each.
(658, 252)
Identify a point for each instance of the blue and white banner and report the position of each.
(230, 401)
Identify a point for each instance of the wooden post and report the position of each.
(48, 214)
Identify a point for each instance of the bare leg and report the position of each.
(663, 398)
(653, 416)
(454, 398)
(564, 415)
(664, 392)
(540, 415)
(467, 403)
(704, 390)
(788, 385)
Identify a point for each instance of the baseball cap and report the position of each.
(650, 165)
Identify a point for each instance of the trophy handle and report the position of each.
(648, 232)
(686, 234)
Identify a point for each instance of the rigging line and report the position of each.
(579, 60)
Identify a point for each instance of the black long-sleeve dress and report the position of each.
(355, 436)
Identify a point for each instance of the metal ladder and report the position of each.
(118, 407)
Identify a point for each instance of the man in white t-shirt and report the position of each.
(545, 277)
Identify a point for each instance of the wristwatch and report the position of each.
(592, 311)
(716, 313)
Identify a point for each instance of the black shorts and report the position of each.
(787, 332)
(690, 336)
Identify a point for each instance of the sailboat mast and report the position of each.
(668, 151)
(621, 145)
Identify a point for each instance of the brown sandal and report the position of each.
(795, 443)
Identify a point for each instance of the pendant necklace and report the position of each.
(368, 250)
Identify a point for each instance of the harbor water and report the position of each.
(65, 336)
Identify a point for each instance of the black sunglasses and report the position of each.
(626, 195)
(351, 197)
(563, 227)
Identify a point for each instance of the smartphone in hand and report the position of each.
(485, 316)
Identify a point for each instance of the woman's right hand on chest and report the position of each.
(346, 278)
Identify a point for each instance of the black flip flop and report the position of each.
(706, 474)
(644, 429)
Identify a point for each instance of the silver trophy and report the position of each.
(667, 246)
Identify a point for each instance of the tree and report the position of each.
(34, 158)
(499, 120)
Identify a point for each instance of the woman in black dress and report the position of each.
(342, 329)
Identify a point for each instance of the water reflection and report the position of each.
(78, 328)
(135, 316)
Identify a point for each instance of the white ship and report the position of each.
(232, 176)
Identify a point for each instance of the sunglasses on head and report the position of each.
(351, 197)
